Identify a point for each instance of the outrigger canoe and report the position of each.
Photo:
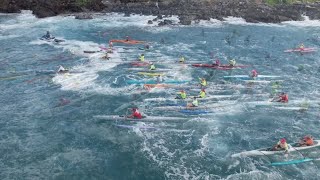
(148, 70)
(189, 98)
(219, 66)
(150, 74)
(127, 41)
(268, 151)
(146, 118)
(210, 106)
(301, 50)
(168, 81)
(247, 77)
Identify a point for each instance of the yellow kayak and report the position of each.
(150, 74)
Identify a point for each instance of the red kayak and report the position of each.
(137, 63)
(301, 50)
(127, 41)
(223, 67)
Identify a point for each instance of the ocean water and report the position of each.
(47, 124)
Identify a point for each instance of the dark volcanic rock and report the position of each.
(150, 22)
(165, 22)
(83, 16)
(185, 20)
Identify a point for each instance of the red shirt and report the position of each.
(284, 98)
(137, 114)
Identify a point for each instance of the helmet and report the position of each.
(282, 93)
(254, 70)
(283, 140)
(203, 90)
(182, 91)
(142, 54)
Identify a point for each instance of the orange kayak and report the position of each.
(127, 42)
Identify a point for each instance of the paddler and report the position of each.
(202, 93)
(106, 56)
(47, 36)
(203, 83)
(181, 95)
(147, 47)
(281, 145)
(135, 114)
(141, 58)
(62, 69)
(127, 38)
(283, 97)
(301, 46)
(216, 62)
(254, 74)
(194, 103)
(306, 141)
(181, 60)
(159, 79)
(232, 62)
(152, 66)
(110, 44)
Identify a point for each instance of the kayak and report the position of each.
(176, 108)
(216, 66)
(267, 151)
(189, 98)
(247, 77)
(148, 86)
(194, 112)
(127, 42)
(148, 70)
(150, 74)
(140, 63)
(147, 118)
(172, 81)
(91, 51)
(306, 50)
(297, 161)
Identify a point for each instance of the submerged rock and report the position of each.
(83, 16)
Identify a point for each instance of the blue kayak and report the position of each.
(297, 161)
(155, 82)
(247, 77)
(194, 112)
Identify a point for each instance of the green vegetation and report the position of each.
(274, 2)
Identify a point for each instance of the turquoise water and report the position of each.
(47, 129)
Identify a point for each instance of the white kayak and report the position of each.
(147, 118)
(189, 98)
(208, 106)
(267, 151)
(148, 70)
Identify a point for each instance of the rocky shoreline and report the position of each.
(187, 10)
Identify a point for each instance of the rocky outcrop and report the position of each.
(187, 10)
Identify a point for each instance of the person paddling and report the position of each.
(181, 95)
(203, 83)
(62, 69)
(306, 141)
(254, 74)
(135, 114)
(152, 67)
(283, 97)
(194, 103)
(181, 60)
(232, 62)
(281, 145)
(202, 93)
(141, 58)
(159, 79)
(216, 63)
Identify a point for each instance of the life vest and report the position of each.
(232, 62)
(137, 114)
(308, 141)
(202, 94)
(141, 58)
(203, 82)
(183, 95)
(195, 103)
(152, 67)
